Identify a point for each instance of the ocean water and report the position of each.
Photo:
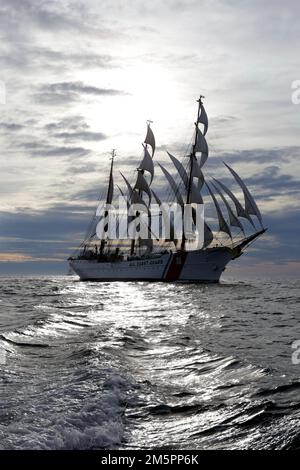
(145, 366)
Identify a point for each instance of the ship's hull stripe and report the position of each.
(175, 268)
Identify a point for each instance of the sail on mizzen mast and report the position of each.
(180, 168)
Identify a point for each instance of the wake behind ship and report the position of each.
(238, 224)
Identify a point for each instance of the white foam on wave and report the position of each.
(93, 422)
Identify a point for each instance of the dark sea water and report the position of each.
(142, 365)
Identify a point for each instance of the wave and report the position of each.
(23, 343)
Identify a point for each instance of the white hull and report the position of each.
(195, 266)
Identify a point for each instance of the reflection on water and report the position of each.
(142, 365)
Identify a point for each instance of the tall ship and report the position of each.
(231, 221)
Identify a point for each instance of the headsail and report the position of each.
(180, 168)
(250, 204)
(223, 226)
(173, 185)
(238, 206)
(234, 221)
(208, 235)
(129, 187)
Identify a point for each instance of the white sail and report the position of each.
(147, 163)
(203, 118)
(166, 219)
(238, 206)
(121, 190)
(208, 235)
(201, 144)
(137, 199)
(173, 185)
(195, 196)
(142, 185)
(134, 196)
(129, 187)
(250, 204)
(203, 159)
(234, 221)
(150, 139)
(197, 172)
(180, 168)
(223, 226)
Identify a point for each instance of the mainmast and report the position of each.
(109, 195)
(146, 164)
(192, 159)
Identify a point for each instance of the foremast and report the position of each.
(109, 197)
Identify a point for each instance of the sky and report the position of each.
(80, 78)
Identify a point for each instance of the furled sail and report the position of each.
(173, 185)
(250, 204)
(147, 163)
(142, 185)
(203, 118)
(223, 226)
(238, 206)
(110, 191)
(233, 219)
(180, 168)
(150, 139)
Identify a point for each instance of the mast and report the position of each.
(108, 194)
(142, 171)
(192, 158)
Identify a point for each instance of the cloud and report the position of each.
(68, 92)
(80, 135)
(10, 126)
(37, 149)
(14, 257)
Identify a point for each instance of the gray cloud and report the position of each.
(10, 126)
(69, 92)
(37, 149)
(80, 135)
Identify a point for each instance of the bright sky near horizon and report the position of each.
(80, 78)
